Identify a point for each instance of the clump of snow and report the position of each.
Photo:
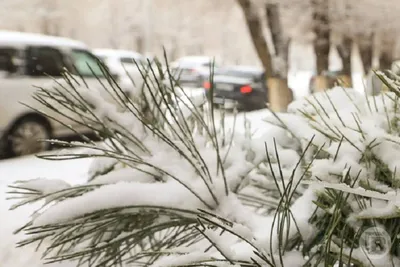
(43, 185)
(330, 144)
(123, 175)
(345, 100)
(292, 259)
(231, 207)
(180, 260)
(101, 166)
(122, 194)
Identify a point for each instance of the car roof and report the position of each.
(194, 59)
(243, 68)
(13, 38)
(191, 61)
(107, 52)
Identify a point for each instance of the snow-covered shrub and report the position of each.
(163, 170)
(179, 189)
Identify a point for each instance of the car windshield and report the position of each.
(86, 64)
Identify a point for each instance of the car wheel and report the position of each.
(24, 138)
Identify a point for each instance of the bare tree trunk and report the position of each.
(45, 26)
(344, 50)
(253, 23)
(279, 93)
(322, 34)
(386, 54)
(113, 14)
(72, 33)
(139, 44)
(321, 27)
(113, 43)
(21, 28)
(365, 46)
(56, 29)
(281, 44)
(388, 44)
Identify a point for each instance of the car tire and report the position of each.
(23, 138)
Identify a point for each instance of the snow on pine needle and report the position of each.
(164, 170)
(170, 186)
(355, 175)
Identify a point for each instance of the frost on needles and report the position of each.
(170, 185)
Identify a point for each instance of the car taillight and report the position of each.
(207, 85)
(246, 89)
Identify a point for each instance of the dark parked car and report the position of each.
(191, 71)
(239, 85)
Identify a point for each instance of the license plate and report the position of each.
(224, 87)
(218, 100)
(227, 103)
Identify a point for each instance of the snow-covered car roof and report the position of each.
(243, 68)
(13, 38)
(106, 52)
(191, 61)
(194, 59)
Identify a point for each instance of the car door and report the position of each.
(30, 67)
(92, 71)
(10, 88)
(43, 65)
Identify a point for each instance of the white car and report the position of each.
(123, 64)
(27, 60)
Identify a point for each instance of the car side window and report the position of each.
(7, 58)
(87, 64)
(43, 61)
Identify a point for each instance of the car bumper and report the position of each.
(226, 103)
(237, 100)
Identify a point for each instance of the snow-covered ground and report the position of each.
(21, 169)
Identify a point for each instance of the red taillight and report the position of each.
(246, 89)
(207, 85)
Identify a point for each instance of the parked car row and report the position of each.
(28, 60)
(243, 87)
